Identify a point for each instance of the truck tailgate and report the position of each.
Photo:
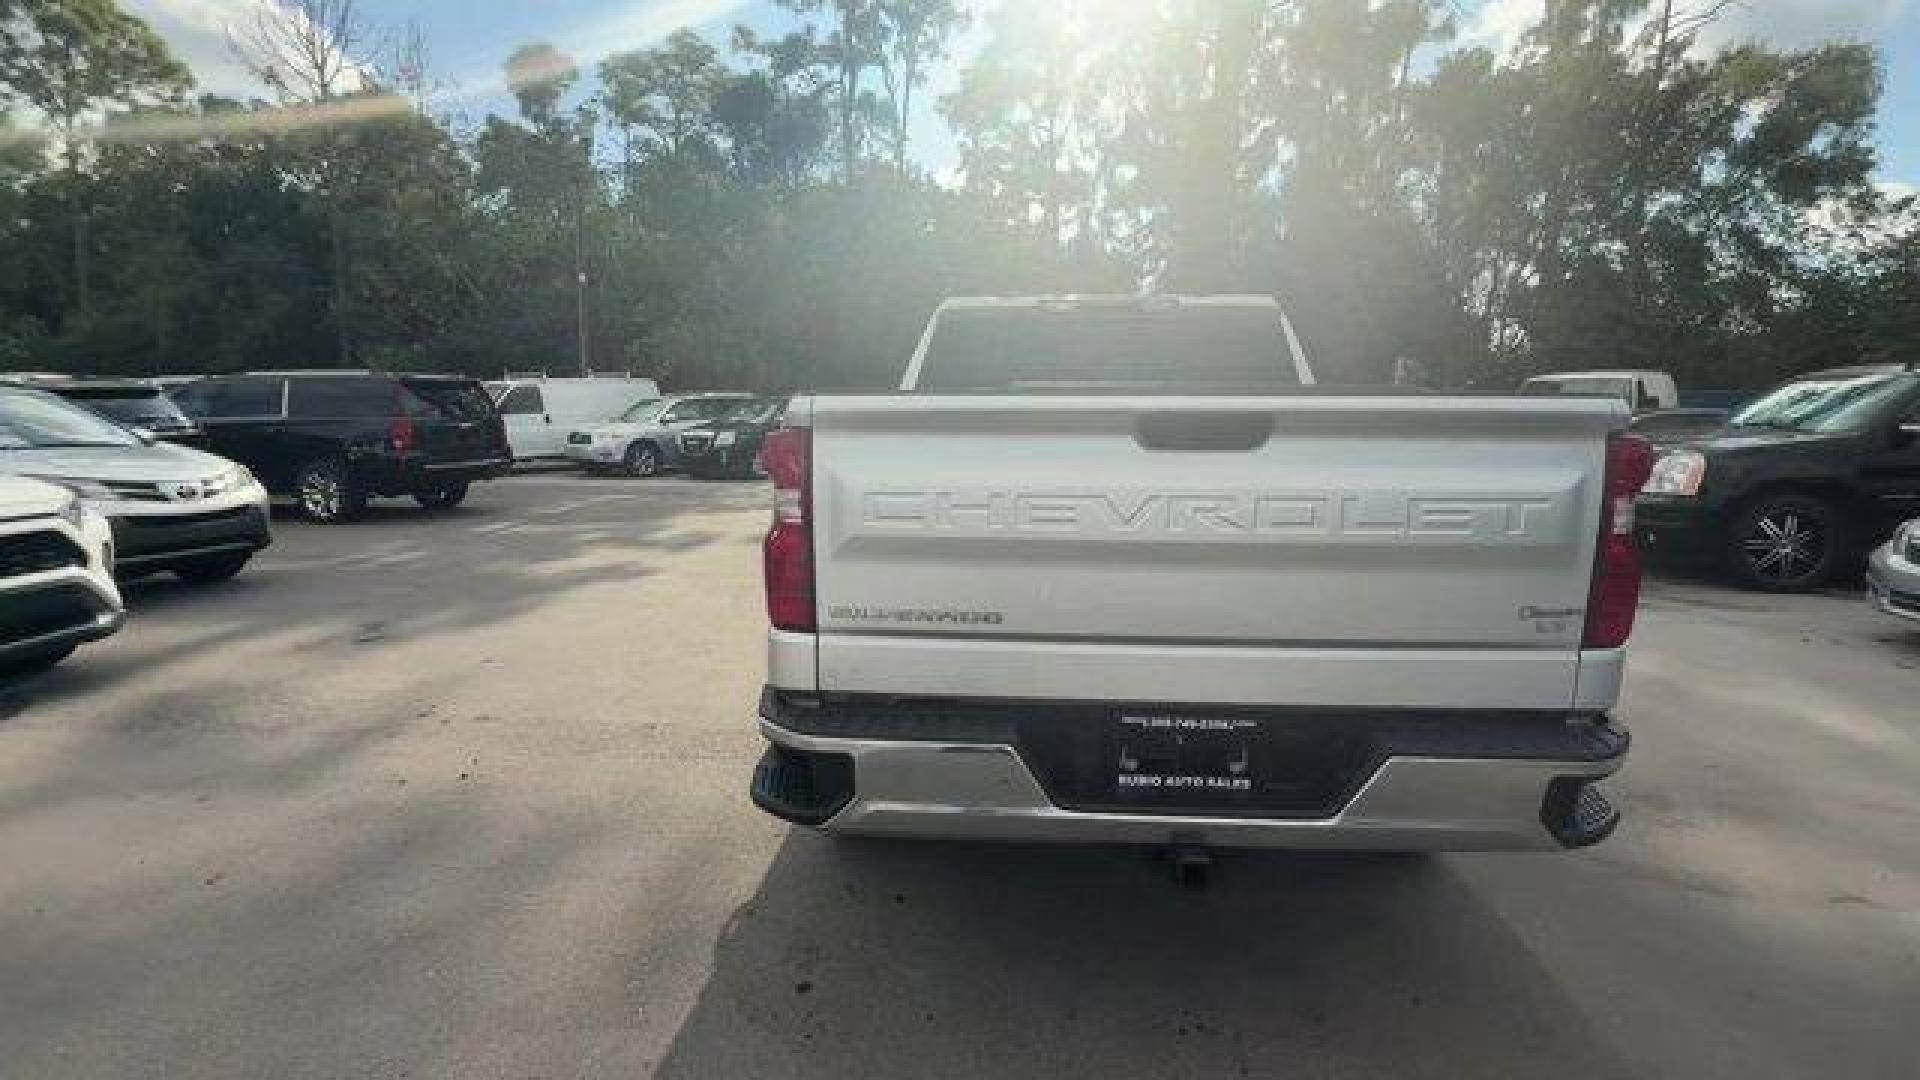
(1382, 551)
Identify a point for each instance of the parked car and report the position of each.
(1799, 484)
(1102, 572)
(171, 507)
(56, 575)
(1893, 573)
(729, 448)
(539, 412)
(1669, 426)
(133, 403)
(331, 440)
(1643, 391)
(641, 440)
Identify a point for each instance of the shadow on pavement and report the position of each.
(917, 959)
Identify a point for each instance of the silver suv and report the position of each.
(641, 441)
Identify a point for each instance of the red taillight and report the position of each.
(401, 435)
(788, 457)
(1616, 567)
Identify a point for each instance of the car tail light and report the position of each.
(1615, 595)
(787, 455)
(401, 435)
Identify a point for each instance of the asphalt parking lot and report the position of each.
(463, 796)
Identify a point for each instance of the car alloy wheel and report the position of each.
(321, 494)
(324, 492)
(1785, 545)
(642, 460)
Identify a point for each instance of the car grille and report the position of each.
(696, 444)
(38, 552)
(175, 520)
(47, 611)
(579, 438)
(1903, 601)
(135, 492)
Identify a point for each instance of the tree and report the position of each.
(852, 46)
(542, 168)
(1036, 138)
(68, 59)
(775, 118)
(315, 53)
(914, 34)
(662, 99)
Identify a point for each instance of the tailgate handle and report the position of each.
(1203, 433)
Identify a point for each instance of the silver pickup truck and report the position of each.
(1115, 570)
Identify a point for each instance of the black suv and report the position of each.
(728, 447)
(330, 440)
(1799, 484)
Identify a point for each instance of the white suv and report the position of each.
(56, 576)
(170, 507)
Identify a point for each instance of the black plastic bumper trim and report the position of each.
(800, 786)
(1315, 760)
(1441, 733)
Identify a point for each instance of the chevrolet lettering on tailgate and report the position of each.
(1214, 516)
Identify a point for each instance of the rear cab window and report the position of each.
(1210, 349)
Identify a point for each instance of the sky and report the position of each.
(470, 39)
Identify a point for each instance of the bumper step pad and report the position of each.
(803, 788)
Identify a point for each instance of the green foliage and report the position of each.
(749, 215)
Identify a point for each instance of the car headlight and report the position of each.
(1677, 473)
(726, 438)
(226, 480)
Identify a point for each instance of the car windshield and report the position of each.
(1826, 405)
(753, 412)
(641, 412)
(33, 420)
(135, 406)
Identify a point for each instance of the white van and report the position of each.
(539, 411)
(1643, 391)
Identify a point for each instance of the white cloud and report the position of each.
(196, 31)
(1499, 24)
(624, 26)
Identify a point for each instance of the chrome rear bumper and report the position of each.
(986, 791)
